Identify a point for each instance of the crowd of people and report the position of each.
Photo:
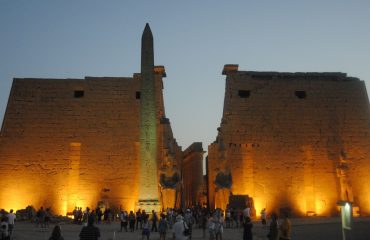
(181, 223)
(176, 223)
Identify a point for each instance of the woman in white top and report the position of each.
(179, 228)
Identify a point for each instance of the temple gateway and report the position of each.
(293, 141)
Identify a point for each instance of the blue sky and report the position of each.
(193, 39)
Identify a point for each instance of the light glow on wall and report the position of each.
(259, 204)
(16, 199)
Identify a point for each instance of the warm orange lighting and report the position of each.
(259, 204)
(222, 198)
(168, 196)
(15, 199)
(63, 209)
(320, 206)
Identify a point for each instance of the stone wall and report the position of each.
(293, 140)
(170, 154)
(73, 142)
(193, 175)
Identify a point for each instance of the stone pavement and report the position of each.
(302, 229)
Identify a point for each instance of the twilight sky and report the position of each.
(193, 39)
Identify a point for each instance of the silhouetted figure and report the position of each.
(4, 229)
(139, 221)
(75, 215)
(99, 214)
(146, 231)
(285, 229)
(247, 229)
(154, 221)
(40, 217)
(189, 220)
(179, 228)
(263, 216)
(90, 232)
(124, 220)
(56, 234)
(47, 217)
(11, 217)
(274, 230)
(131, 219)
(162, 227)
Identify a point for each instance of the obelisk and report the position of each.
(148, 180)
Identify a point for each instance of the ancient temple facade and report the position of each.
(292, 141)
(92, 141)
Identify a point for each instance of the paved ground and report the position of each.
(302, 229)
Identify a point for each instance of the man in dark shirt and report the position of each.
(90, 232)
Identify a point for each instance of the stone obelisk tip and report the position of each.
(147, 51)
(147, 31)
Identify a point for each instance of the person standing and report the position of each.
(212, 227)
(86, 215)
(285, 229)
(154, 221)
(218, 224)
(99, 214)
(247, 212)
(90, 232)
(131, 219)
(146, 231)
(75, 215)
(47, 217)
(247, 229)
(189, 220)
(274, 228)
(204, 220)
(124, 220)
(162, 227)
(40, 217)
(138, 220)
(179, 229)
(4, 233)
(228, 217)
(79, 214)
(11, 217)
(263, 217)
(170, 218)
